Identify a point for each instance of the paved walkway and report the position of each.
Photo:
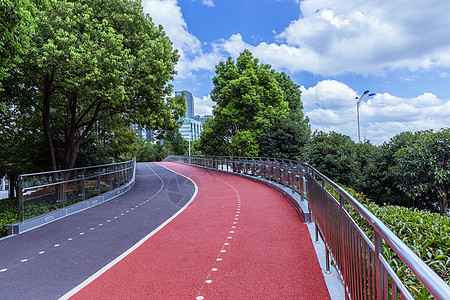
(236, 240)
(49, 261)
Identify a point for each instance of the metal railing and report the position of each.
(46, 191)
(360, 261)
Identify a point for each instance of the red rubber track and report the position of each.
(237, 240)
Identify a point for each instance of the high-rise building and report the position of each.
(190, 129)
(189, 103)
(202, 119)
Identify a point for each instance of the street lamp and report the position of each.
(358, 103)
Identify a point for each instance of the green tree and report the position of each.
(214, 138)
(334, 155)
(364, 155)
(285, 139)
(179, 145)
(16, 28)
(249, 100)
(107, 143)
(92, 61)
(380, 177)
(147, 151)
(22, 148)
(287, 136)
(423, 167)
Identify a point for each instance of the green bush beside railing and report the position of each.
(426, 233)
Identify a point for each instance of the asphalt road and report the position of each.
(47, 262)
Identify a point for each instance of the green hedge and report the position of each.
(426, 233)
(9, 211)
(9, 208)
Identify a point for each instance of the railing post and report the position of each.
(341, 246)
(327, 260)
(99, 190)
(61, 189)
(83, 186)
(310, 200)
(305, 191)
(378, 243)
(110, 179)
(20, 194)
(316, 231)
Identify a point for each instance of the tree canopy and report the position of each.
(90, 62)
(423, 167)
(16, 28)
(250, 98)
(410, 170)
(334, 155)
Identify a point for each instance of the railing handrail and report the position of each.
(433, 282)
(74, 180)
(125, 171)
(74, 169)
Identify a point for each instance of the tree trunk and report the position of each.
(73, 143)
(443, 202)
(46, 121)
(70, 132)
(12, 188)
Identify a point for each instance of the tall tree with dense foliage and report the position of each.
(179, 145)
(21, 146)
(333, 154)
(16, 28)
(287, 136)
(423, 167)
(380, 177)
(89, 62)
(250, 99)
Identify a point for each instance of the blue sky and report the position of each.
(334, 50)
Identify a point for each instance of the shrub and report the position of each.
(426, 233)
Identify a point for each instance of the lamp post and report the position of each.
(358, 103)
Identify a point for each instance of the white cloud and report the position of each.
(331, 106)
(192, 58)
(329, 37)
(370, 36)
(337, 37)
(168, 14)
(203, 106)
(208, 3)
(360, 36)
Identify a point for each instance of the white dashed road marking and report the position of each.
(226, 243)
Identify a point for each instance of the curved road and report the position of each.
(49, 261)
(237, 240)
